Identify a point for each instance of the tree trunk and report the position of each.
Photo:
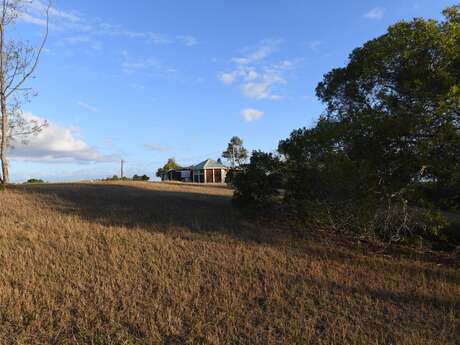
(3, 105)
(4, 142)
(21, 62)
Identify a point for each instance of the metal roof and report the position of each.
(209, 164)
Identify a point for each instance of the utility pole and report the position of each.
(233, 156)
(121, 168)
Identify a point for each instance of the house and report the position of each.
(208, 171)
(177, 174)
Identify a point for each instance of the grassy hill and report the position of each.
(151, 263)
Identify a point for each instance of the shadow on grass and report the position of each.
(159, 209)
(132, 206)
(400, 298)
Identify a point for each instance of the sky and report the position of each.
(145, 80)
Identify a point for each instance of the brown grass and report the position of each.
(140, 263)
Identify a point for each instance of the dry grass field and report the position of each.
(151, 263)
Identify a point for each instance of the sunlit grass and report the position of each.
(142, 263)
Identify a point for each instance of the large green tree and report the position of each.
(397, 102)
(389, 136)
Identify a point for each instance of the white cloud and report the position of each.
(256, 77)
(314, 45)
(39, 7)
(30, 19)
(376, 13)
(265, 48)
(262, 87)
(56, 144)
(34, 12)
(81, 39)
(187, 40)
(259, 91)
(228, 78)
(157, 147)
(132, 64)
(87, 106)
(250, 114)
(156, 38)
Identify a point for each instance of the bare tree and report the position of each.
(18, 61)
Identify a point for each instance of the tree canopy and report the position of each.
(170, 164)
(388, 140)
(396, 104)
(235, 153)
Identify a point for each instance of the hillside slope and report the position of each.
(142, 263)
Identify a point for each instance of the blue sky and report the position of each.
(145, 80)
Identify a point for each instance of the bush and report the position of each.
(115, 178)
(258, 184)
(141, 178)
(34, 181)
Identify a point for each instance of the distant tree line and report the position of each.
(134, 178)
(35, 181)
(384, 157)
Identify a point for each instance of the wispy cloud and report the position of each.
(256, 76)
(265, 48)
(251, 115)
(228, 78)
(263, 88)
(157, 148)
(39, 7)
(132, 64)
(154, 37)
(88, 107)
(30, 19)
(314, 45)
(84, 40)
(33, 12)
(136, 86)
(376, 13)
(57, 144)
(187, 40)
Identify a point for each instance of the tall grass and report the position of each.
(139, 263)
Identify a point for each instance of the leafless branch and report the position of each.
(27, 75)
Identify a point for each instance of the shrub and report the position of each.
(141, 178)
(34, 181)
(115, 178)
(258, 184)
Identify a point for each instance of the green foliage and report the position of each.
(398, 103)
(258, 184)
(34, 181)
(235, 153)
(141, 178)
(385, 157)
(170, 165)
(436, 224)
(232, 173)
(115, 178)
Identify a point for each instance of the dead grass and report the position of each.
(139, 263)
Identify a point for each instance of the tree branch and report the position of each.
(37, 59)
